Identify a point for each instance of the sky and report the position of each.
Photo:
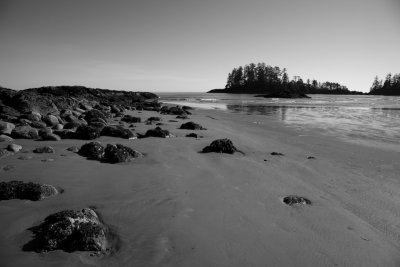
(189, 45)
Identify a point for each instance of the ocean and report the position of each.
(364, 119)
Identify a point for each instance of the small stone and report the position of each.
(44, 149)
(14, 147)
(277, 154)
(310, 157)
(221, 146)
(192, 126)
(157, 132)
(192, 135)
(74, 149)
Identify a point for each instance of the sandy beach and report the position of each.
(178, 207)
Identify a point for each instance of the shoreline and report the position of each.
(178, 207)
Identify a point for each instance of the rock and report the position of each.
(69, 230)
(131, 119)
(6, 127)
(51, 137)
(45, 131)
(119, 153)
(152, 119)
(50, 120)
(26, 132)
(117, 131)
(22, 190)
(38, 124)
(277, 154)
(85, 132)
(95, 115)
(59, 126)
(182, 117)
(65, 134)
(92, 150)
(44, 149)
(310, 157)
(14, 147)
(157, 132)
(192, 135)
(192, 126)
(74, 124)
(74, 149)
(292, 199)
(5, 138)
(173, 110)
(8, 168)
(221, 146)
(5, 153)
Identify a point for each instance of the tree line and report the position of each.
(261, 78)
(390, 86)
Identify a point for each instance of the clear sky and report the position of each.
(191, 45)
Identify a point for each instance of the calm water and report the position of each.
(373, 120)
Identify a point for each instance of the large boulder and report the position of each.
(86, 132)
(221, 146)
(14, 148)
(22, 190)
(119, 153)
(69, 230)
(51, 137)
(38, 124)
(5, 138)
(117, 131)
(192, 126)
(92, 150)
(6, 127)
(157, 132)
(65, 134)
(131, 119)
(26, 132)
(94, 114)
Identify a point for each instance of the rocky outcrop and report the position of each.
(69, 230)
(92, 150)
(117, 131)
(29, 191)
(192, 126)
(157, 132)
(221, 146)
(119, 153)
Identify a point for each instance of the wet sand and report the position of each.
(178, 207)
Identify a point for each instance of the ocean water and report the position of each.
(370, 120)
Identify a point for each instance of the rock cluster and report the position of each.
(111, 153)
(69, 230)
(221, 146)
(22, 190)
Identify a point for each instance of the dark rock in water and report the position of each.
(192, 126)
(14, 147)
(157, 132)
(284, 94)
(117, 131)
(5, 138)
(26, 132)
(44, 149)
(277, 154)
(92, 150)
(6, 127)
(119, 153)
(51, 137)
(292, 199)
(74, 149)
(85, 132)
(30, 191)
(221, 146)
(65, 134)
(131, 119)
(5, 153)
(192, 135)
(69, 230)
